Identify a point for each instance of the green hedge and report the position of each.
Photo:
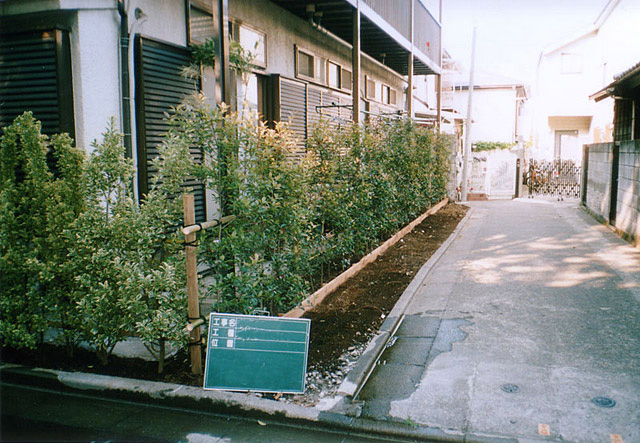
(299, 220)
(79, 254)
(491, 146)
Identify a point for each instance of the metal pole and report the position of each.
(410, 67)
(439, 76)
(355, 63)
(193, 304)
(224, 90)
(467, 130)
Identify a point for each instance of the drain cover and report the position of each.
(603, 402)
(510, 389)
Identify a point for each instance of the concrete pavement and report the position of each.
(529, 319)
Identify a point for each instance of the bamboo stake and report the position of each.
(192, 229)
(193, 304)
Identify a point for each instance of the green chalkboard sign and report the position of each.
(256, 353)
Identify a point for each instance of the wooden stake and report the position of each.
(193, 303)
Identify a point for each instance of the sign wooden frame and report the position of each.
(257, 353)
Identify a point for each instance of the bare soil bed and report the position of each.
(340, 326)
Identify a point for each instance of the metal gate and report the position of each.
(558, 178)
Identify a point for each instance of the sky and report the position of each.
(511, 33)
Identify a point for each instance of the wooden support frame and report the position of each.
(193, 302)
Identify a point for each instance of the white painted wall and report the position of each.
(166, 19)
(95, 60)
(493, 113)
(614, 48)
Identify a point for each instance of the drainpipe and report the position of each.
(124, 78)
(141, 17)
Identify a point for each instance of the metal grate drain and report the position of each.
(510, 389)
(603, 402)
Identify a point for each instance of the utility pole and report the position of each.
(467, 129)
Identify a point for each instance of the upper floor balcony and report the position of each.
(385, 29)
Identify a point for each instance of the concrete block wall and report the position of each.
(599, 179)
(628, 204)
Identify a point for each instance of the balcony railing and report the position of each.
(397, 13)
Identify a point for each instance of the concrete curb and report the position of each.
(228, 403)
(359, 374)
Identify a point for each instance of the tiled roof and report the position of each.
(628, 73)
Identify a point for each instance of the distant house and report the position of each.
(76, 64)
(569, 71)
(498, 104)
(611, 185)
(497, 116)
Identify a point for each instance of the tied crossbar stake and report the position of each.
(192, 229)
(191, 326)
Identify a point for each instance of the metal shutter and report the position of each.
(314, 99)
(160, 86)
(293, 109)
(35, 75)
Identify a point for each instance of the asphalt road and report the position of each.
(37, 415)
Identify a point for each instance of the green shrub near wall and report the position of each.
(79, 254)
(299, 220)
(36, 206)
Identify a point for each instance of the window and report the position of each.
(254, 41)
(571, 63)
(334, 75)
(389, 95)
(622, 120)
(369, 88)
(321, 70)
(310, 66)
(200, 22)
(345, 79)
(393, 97)
(35, 75)
(161, 86)
(306, 65)
(338, 77)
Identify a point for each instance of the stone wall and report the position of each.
(599, 168)
(599, 179)
(628, 202)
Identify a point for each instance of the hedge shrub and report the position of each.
(79, 254)
(300, 219)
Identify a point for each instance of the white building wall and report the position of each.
(95, 74)
(604, 53)
(165, 20)
(493, 113)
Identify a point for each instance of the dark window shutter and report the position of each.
(35, 75)
(314, 99)
(293, 109)
(160, 86)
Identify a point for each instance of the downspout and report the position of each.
(124, 78)
(141, 17)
